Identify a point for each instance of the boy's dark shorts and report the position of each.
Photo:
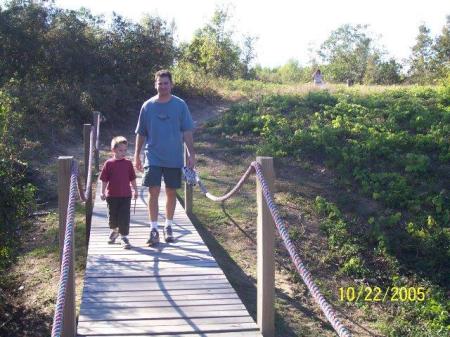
(152, 176)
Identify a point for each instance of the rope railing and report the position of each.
(66, 258)
(327, 309)
(61, 326)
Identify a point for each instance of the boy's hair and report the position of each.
(163, 73)
(118, 140)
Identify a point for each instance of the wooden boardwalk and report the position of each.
(176, 289)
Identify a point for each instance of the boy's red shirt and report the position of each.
(118, 174)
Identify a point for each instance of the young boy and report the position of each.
(116, 176)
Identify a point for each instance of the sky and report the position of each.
(288, 29)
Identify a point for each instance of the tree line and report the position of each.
(350, 53)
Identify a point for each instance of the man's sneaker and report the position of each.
(113, 236)
(168, 235)
(153, 240)
(125, 242)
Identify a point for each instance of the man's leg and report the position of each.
(170, 210)
(153, 203)
(153, 212)
(172, 178)
(152, 179)
(170, 202)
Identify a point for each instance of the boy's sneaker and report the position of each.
(113, 236)
(125, 242)
(168, 234)
(153, 240)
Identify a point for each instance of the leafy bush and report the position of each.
(16, 194)
(393, 144)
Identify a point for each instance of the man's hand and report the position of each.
(135, 194)
(138, 163)
(103, 196)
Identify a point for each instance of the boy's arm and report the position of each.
(104, 184)
(135, 191)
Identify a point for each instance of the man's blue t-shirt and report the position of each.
(163, 125)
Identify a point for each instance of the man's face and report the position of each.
(163, 85)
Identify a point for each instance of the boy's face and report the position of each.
(163, 85)
(120, 151)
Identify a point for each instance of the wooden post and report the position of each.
(88, 205)
(86, 141)
(64, 170)
(96, 133)
(187, 188)
(265, 255)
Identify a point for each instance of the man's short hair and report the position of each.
(116, 141)
(163, 73)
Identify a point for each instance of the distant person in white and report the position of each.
(317, 78)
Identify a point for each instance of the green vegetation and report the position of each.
(392, 146)
(16, 194)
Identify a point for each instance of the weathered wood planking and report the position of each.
(175, 289)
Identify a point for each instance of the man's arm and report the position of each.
(189, 141)
(137, 151)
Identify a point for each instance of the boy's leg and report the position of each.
(113, 221)
(124, 216)
(124, 221)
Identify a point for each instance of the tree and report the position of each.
(248, 55)
(442, 51)
(382, 72)
(213, 50)
(347, 50)
(421, 60)
(291, 72)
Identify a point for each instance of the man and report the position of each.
(164, 124)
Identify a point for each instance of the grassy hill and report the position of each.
(362, 182)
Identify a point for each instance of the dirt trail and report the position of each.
(203, 111)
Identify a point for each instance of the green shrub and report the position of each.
(16, 194)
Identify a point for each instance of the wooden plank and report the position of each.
(190, 327)
(93, 264)
(145, 313)
(203, 334)
(151, 272)
(157, 279)
(173, 321)
(155, 295)
(213, 284)
(148, 258)
(167, 302)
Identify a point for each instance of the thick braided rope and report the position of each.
(66, 255)
(229, 194)
(304, 273)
